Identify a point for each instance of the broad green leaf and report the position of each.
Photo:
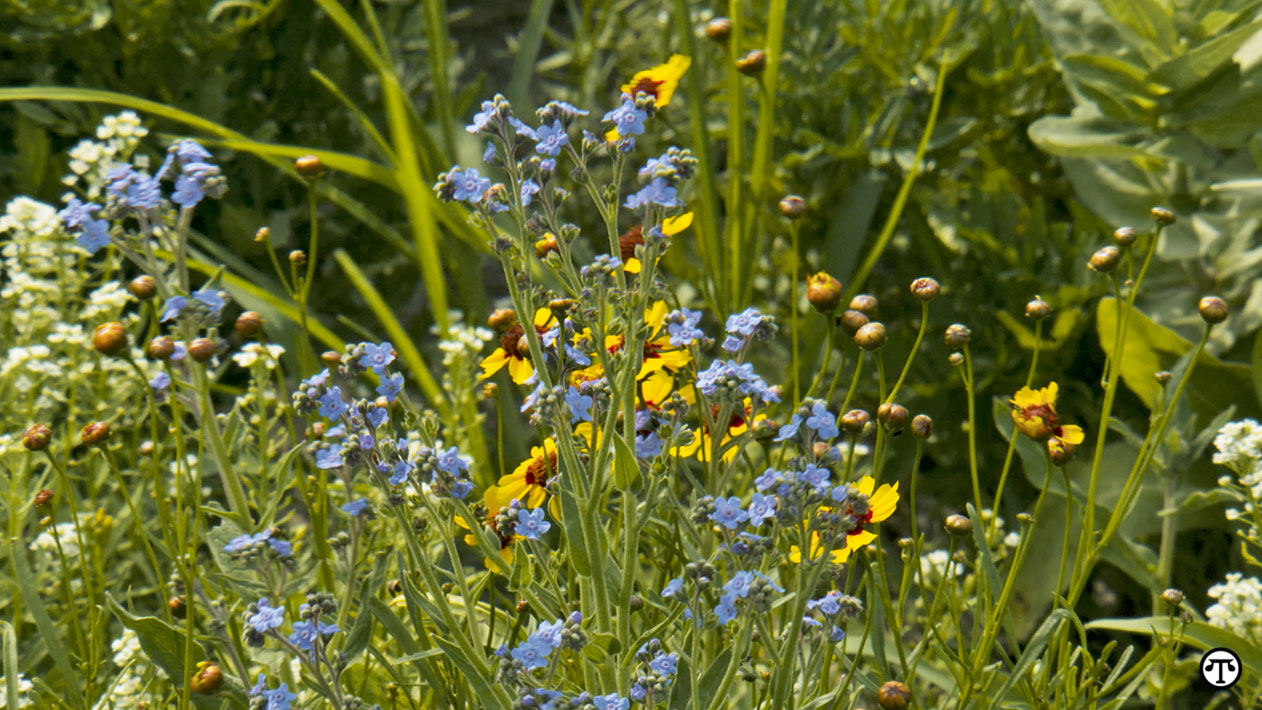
(1199, 63)
(626, 469)
(707, 684)
(575, 548)
(1150, 19)
(1087, 137)
(360, 634)
(1197, 634)
(1257, 365)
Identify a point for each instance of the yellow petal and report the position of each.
(859, 540)
(865, 486)
(520, 369)
(494, 362)
(883, 502)
(674, 225)
(656, 387)
(632, 266)
(1072, 434)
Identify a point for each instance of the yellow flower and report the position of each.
(880, 506)
(509, 352)
(506, 541)
(1034, 413)
(635, 237)
(738, 423)
(660, 360)
(659, 82)
(528, 482)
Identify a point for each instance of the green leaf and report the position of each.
(1197, 634)
(707, 685)
(361, 631)
(1081, 136)
(52, 639)
(1257, 365)
(1033, 651)
(575, 548)
(1201, 62)
(626, 469)
(10, 665)
(1149, 19)
(601, 648)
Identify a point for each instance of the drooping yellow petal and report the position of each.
(883, 502)
(655, 316)
(674, 225)
(856, 541)
(865, 486)
(520, 369)
(1072, 434)
(494, 362)
(656, 388)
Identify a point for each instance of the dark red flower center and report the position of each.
(648, 86)
(540, 470)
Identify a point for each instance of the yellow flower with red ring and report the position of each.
(660, 360)
(880, 505)
(528, 482)
(510, 352)
(505, 541)
(659, 82)
(1034, 414)
(635, 237)
(738, 423)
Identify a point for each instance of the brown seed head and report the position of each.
(823, 292)
(1124, 236)
(922, 426)
(925, 288)
(249, 324)
(792, 206)
(160, 348)
(110, 338)
(752, 63)
(864, 303)
(892, 416)
(202, 349)
(143, 287)
(94, 433)
(957, 336)
(43, 497)
(309, 167)
(871, 336)
(37, 437)
(893, 695)
(718, 29)
(1213, 309)
(560, 306)
(1105, 259)
(1037, 309)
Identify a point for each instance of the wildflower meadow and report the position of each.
(824, 355)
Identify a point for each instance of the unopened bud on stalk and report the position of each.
(207, 679)
(852, 321)
(823, 292)
(925, 288)
(1105, 259)
(523, 346)
(160, 348)
(94, 433)
(922, 426)
(145, 448)
(37, 437)
(330, 357)
(546, 245)
(1213, 309)
(958, 525)
(489, 390)
(752, 63)
(263, 234)
(956, 359)
(1025, 518)
(718, 29)
(893, 695)
(177, 606)
(143, 287)
(1124, 236)
(1173, 597)
(957, 336)
(110, 338)
(864, 303)
(202, 349)
(298, 257)
(1162, 216)
(1060, 451)
(792, 206)
(855, 420)
(523, 606)
(309, 167)
(871, 336)
(502, 319)
(1037, 309)
(249, 324)
(892, 416)
(560, 306)
(1163, 376)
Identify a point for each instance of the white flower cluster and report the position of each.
(463, 342)
(1239, 606)
(127, 688)
(1239, 444)
(253, 353)
(117, 138)
(1239, 447)
(934, 564)
(24, 692)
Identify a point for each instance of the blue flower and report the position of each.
(489, 154)
(682, 326)
(278, 699)
(258, 687)
(627, 119)
(648, 446)
(212, 300)
(665, 664)
(93, 233)
(357, 508)
(673, 588)
(241, 542)
(390, 387)
(331, 405)
(268, 617)
(196, 182)
(728, 512)
(451, 462)
(469, 184)
(529, 188)
(837, 635)
(306, 633)
(530, 523)
(637, 692)
(817, 476)
(733, 344)
(738, 585)
(533, 653)
(377, 416)
(770, 582)
(790, 430)
(134, 190)
(328, 457)
(812, 622)
(522, 129)
(547, 165)
(761, 507)
(580, 405)
(400, 472)
(181, 153)
(744, 323)
(612, 701)
(768, 479)
(482, 118)
(284, 548)
(726, 610)
(549, 633)
(822, 421)
(828, 603)
(550, 139)
(658, 192)
(377, 357)
(173, 307)
(160, 383)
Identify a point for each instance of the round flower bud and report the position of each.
(893, 695)
(823, 292)
(1105, 259)
(546, 245)
(792, 206)
(1060, 451)
(202, 349)
(1163, 376)
(489, 390)
(718, 29)
(1162, 216)
(94, 433)
(855, 420)
(145, 448)
(207, 679)
(249, 324)
(561, 306)
(957, 336)
(37, 437)
(42, 498)
(752, 63)
(177, 606)
(309, 167)
(523, 346)
(523, 606)
(502, 319)
(871, 336)
(160, 348)
(1213, 309)
(1037, 309)
(263, 234)
(143, 287)
(925, 288)
(1173, 597)
(298, 257)
(330, 357)
(636, 602)
(852, 321)
(1025, 518)
(959, 525)
(864, 303)
(893, 416)
(956, 359)
(1124, 236)
(110, 338)
(922, 426)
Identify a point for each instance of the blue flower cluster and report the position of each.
(817, 418)
(79, 218)
(835, 608)
(730, 381)
(662, 176)
(538, 647)
(662, 667)
(197, 178)
(277, 698)
(206, 304)
(682, 327)
(267, 539)
(745, 327)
